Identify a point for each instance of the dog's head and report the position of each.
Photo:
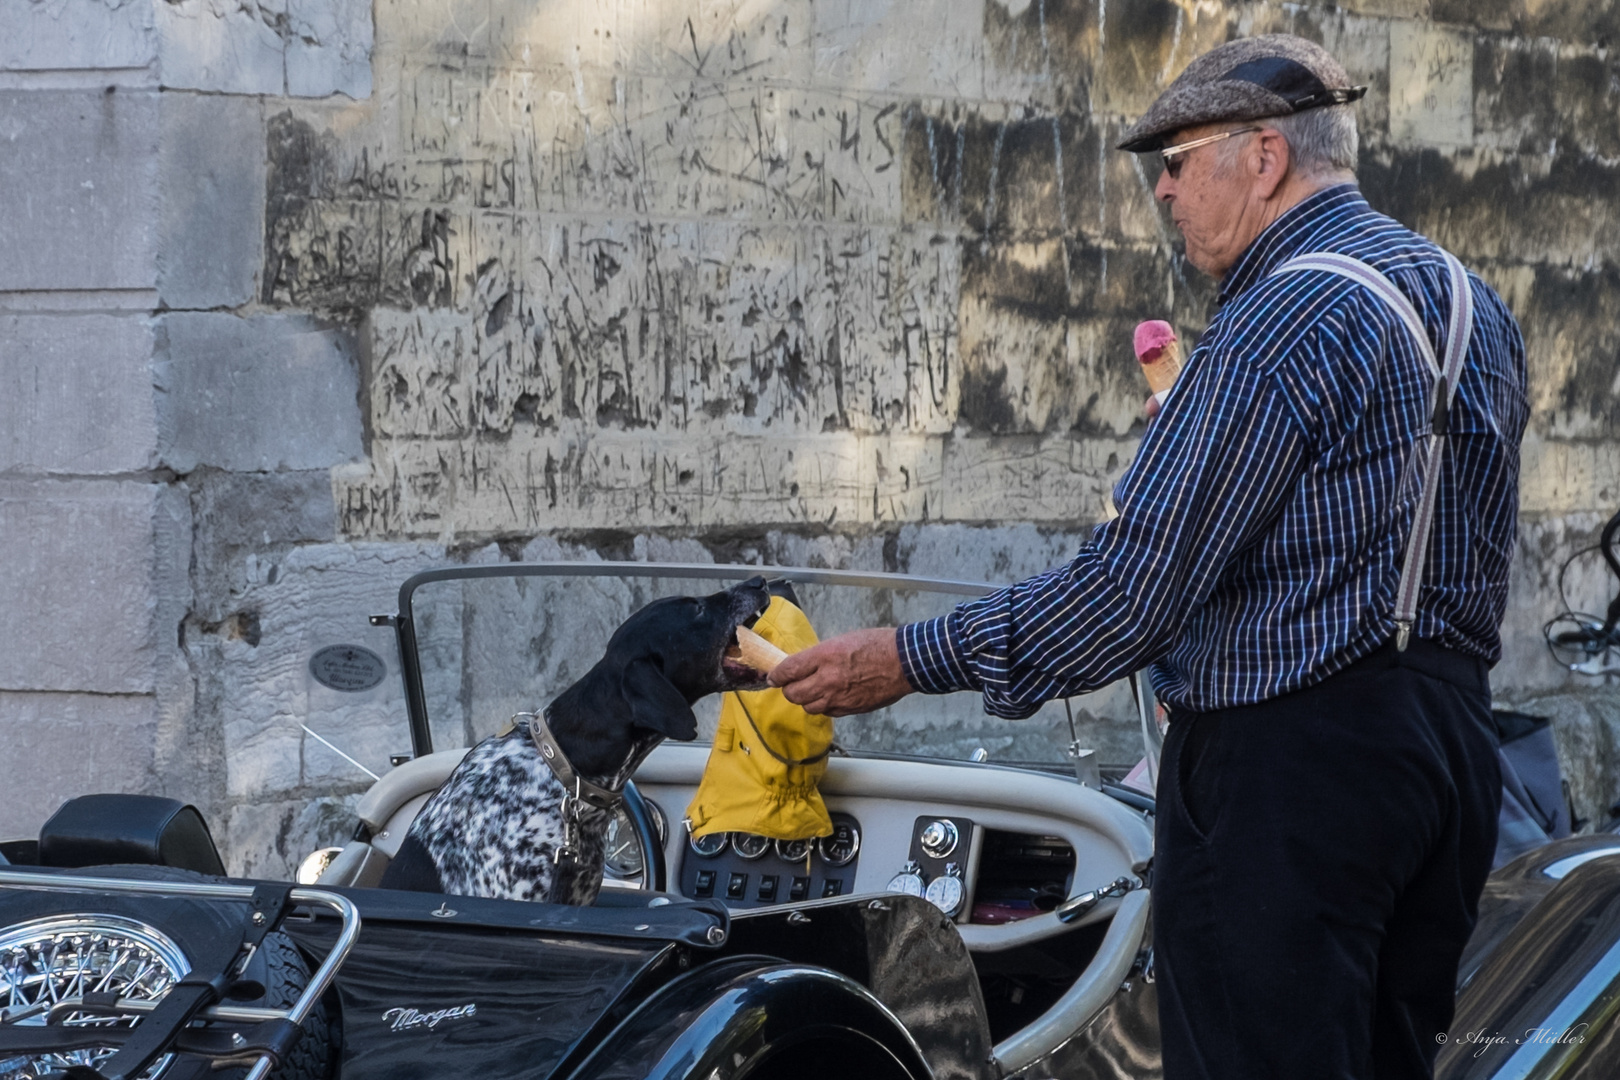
(673, 652)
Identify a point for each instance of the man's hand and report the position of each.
(851, 673)
(1150, 408)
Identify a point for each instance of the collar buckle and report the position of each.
(576, 788)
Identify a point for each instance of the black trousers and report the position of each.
(1319, 859)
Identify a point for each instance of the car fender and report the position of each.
(747, 1018)
(1544, 1001)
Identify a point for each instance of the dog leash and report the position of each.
(831, 746)
(576, 789)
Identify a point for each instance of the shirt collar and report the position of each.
(1289, 235)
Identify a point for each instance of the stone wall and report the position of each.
(316, 294)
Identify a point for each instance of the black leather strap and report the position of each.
(576, 785)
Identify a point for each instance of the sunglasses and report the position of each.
(1171, 154)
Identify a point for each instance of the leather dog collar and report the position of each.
(576, 785)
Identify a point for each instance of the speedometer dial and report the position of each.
(794, 851)
(622, 855)
(842, 846)
(750, 846)
(709, 844)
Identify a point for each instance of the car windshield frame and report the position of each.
(404, 624)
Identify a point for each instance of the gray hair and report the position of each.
(1320, 141)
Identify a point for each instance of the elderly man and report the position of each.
(1312, 552)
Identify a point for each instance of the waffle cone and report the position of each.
(758, 653)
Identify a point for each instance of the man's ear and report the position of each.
(655, 704)
(1274, 158)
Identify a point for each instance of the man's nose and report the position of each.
(1165, 189)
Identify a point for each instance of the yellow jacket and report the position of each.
(746, 787)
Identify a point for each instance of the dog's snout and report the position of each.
(749, 599)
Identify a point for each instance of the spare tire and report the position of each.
(61, 944)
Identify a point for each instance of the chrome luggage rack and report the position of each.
(198, 996)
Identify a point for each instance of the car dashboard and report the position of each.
(994, 847)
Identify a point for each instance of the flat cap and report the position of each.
(1247, 79)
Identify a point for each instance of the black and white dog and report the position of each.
(497, 825)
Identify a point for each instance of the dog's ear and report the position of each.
(656, 704)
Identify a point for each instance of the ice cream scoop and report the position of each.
(1160, 354)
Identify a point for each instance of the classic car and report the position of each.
(966, 918)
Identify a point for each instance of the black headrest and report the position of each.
(96, 830)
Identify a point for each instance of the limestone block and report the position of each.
(59, 746)
(1031, 478)
(1586, 23)
(1046, 334)
(79, 583)
(549, 306)
(268, 839)
(1545, 544)
(1558, 476)
(224, 46)
(426, 488)
(260, 509)
(1123, 204)
(818, 154)
(1571, 334)
(1361, 45)
(329, 48)
(1402, 9)
(80, 173)
(457, 31)
(213, 200)
(1431, 84)
(258, 394)
(1562, 221)
(730, 40)
(1145, 45)
(1043, 53)
(1515, 106)
(254, 675)
(899, 47)
(997, 554)
(75, 35)
(1586, 104)
(816, 548)
(76, 394)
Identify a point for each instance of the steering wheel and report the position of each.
(654, 875)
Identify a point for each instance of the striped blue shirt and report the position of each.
(1262, 523)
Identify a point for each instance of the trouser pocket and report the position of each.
(1198, 771)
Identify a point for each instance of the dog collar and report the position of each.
(552, 753)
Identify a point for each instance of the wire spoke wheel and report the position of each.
(48, 960)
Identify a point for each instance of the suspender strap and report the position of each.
(1459, 328)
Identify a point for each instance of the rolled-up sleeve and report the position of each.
(1212, 472)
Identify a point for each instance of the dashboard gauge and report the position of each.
(750, 846)
(622, 855)
(842, 846)
(946, 892)
(793, 851)
(709, 844)
(908, 881)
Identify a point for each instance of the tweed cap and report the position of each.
(1247, 79)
